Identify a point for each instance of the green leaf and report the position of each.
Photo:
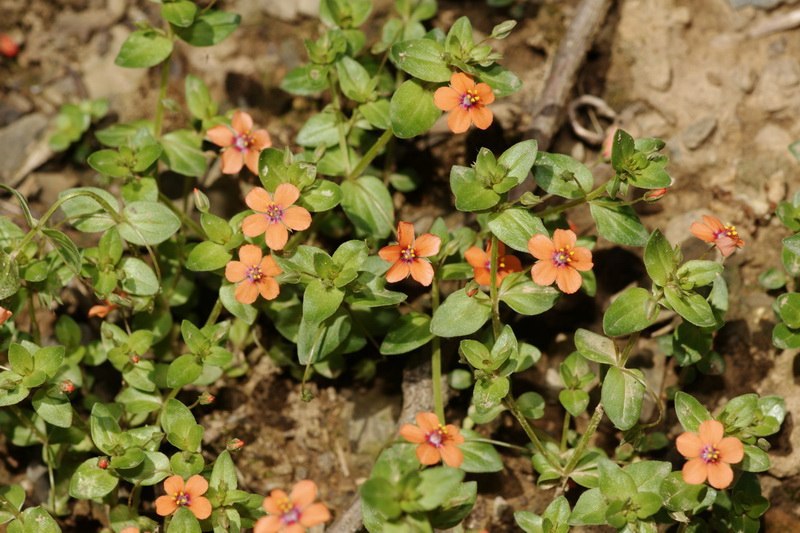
(529, 522)
(461, 315)
(306, 80)
(53, 406)
(110, 163)
(183, 371)
(562, 175)
(595, 347)
(15, 496)
(320, 130)
(187, 464)
(9, 276)
(621, 150)
(471, 193)
(91, 482)
(34, 520)
(368, 205)
(65, 248)
(575, 401)
(180, 426)
(526, 297)
(479, 457)
(208, 256)
(690, 306)
(618, 223)
(679, 496)
(198, 98)
(410, 332)
(615, 483)
(590, 509)
(223, 475)
(138, 278)
(244, 312)
(377, 113)
(423, 59)
(320, 301)
(152, 470)
(322, 196)
(104, 428)
(180, 13)
(437, 485)
(698, 273)
(489, 393)
(148, 223)
(659, 258)
(755, 459)
(85, 213)
(138, 402)
(209, 28)
(20, 359)
(788, 308)
(502, 81)
(690, 412)
(354, 79)
(519, 159)
(477, 355)
(412, 110)
(344, 13)
(143, 49)
(622, 396)
(632, 311)
(183, 154)
(183, 521)
(515, 227)
(531, 404)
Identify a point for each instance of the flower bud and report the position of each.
(654, 195)
(206, 398)
(135, 359)
(102, 463)
(67, 386)
(201, 201)
(608, 143)
(8, 47)
(235, 445)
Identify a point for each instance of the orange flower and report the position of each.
(481, 263)
(709, 455)
(5, 314)
(466, 102)
(725, 238)
(275, 215)
(240, 144)
(293, 513)
(559, 260)
(101, 311)
(130, 529)
(189, 495)
(407, 255)
(436, 442)
(254, 274)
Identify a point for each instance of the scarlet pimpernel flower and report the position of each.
(189, 495)
(466, 101)
(254, 273)
(293, 513)
(275, 215)
(709, 455)
(724, 237)
(101, 310)
(437, 442)
(481, 263)
(240, 144)
(5, 314)
(408, 255)
(559, 260)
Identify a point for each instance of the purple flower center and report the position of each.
(242, 142)
(436, 437)
(710, 454)
(408, 255)
(562, 257)
(254, 274)
(292, 516)
(470, 99)
(727, 231)
(274, 213)
(183, 500)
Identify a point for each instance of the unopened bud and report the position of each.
(234, 445)
(206, 398)
(654, 195)
(608, 143)
(135, 359)
(472, 288)
(67, 386)
(102, 463)
(529, 199)
(5, 314)
(201, 201)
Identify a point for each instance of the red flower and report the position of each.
(436, 442)
(293, 513)
(255, 275)
(5, 314)
(710, 455)
(189, 495)
(466, 102)
(481, 263)
(559, 260)
(711, 230)
(275, 215)
(407, 255)
(241, 146)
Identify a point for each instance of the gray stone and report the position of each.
(763, 4)
(16, 141)
(696, 134)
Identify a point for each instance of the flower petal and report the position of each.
(293, 528)
(427, 245)
(250, 255)
(297, 218)
(405, 234)
(269, 288)
(725, 245)
(458, 121)
(711, 432)
(276, 236)
(461, 82)
(271, 503)
(173, 485)
(446, 98)
(568, 280)
(451, 455)
(720, 475)
(427, 454)
(258, 199)
(513, 264)
(731, 450)
(260, 140)
(581, 258)
(390, 253)
(242, 122)
(165, 505)
(454, 433)
(235, 271)
(269, 267)
(412, 433)
(246, 292)
(564, 238)
(476, 257)
(254, 225)
(485, 93)
(695, 471)
(713, 223)
(543, 273)
(398, 272)
(482, 275)
(702, 232)
(268, 524)
(314, 515)
(481, 116)
(232, 161)
(286, 194)
(303, 493)
(251, 160)
(422, 271)
(201, 507)
(689, 445)
(220, 135)
(427, 421)
(541, 247)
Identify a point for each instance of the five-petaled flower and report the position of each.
(559, 260)
(408, 255)
(240, 144)
(481, 263)
(5, 314)
(466, 101)
(254, 273)
(275, 215)
(292, 513)
(709, 455)
(724, 237)
(189, 495)
(437, 442)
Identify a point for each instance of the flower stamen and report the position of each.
(408, 255)
(182, 499)
(710, 454)
(274, 213)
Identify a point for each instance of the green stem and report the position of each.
(597, 416)
(436, 356)
(565, 432)
(340, 119)
(215, 311)
(371, 154)
(162, 95)
(34, 331)
(502, 444)
(572, 203)
(512, 406)
(497, 326)
(5, 504)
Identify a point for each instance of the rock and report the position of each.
(780, 382)
(776, 187)
(745, 78)
(281, 9)
(16, 141)
(773, 138)
(696, 134)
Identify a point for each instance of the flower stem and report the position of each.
(497, 326)
(512, 406)
(340, 120)
(215, 311)
(565, 432)
(572, 203)
(371, 154)
(436, 356)
(502, 444)
(162, 95)
(597, 416)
